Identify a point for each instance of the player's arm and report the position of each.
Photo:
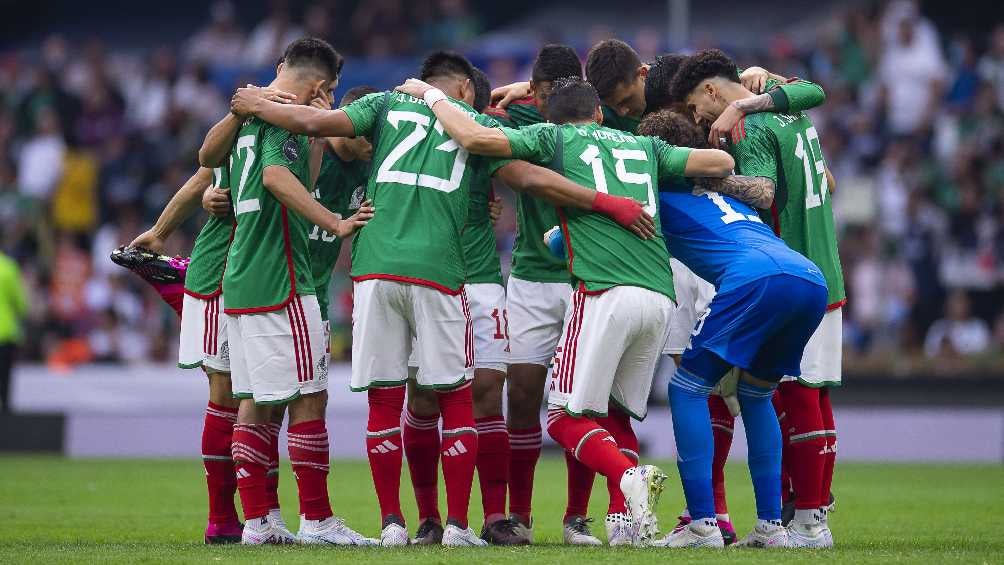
(186, 201)
(503, 95)
(469, 134)
(757, 159)
(559, 191)
(794, 96)
(831, 181)
(758, 192)
(220, 139)
(288, 190)
(318, 146)
(304, 120)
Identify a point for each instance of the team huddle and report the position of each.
(675, 208)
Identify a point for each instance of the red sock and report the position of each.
(826, 409)
(618, 423)
(384, 448)
(421, 446)
(272, 477)
(722, 423)
(524, 445)
(172, 293)
(250, 452)
(807, 442)
(782, 420)
(459, 450)
(580, 486)
(493, 465)
(591, 444)
(217, 437)
(308, 453)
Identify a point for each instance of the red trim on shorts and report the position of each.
(294, 328)
(288, 249)
(306, 339)
(409, 280)
(468, 332)
(211, 325)
(570, 348)
(836, 305)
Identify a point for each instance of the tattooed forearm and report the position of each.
(759, 103)
(755, 191)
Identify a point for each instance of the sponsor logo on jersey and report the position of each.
(291, 149)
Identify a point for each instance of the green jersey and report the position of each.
(204, 277)
(785, 148)
(269, 260)
(420, 187)
(612, 119)
(480, 254)
(601, 253)
(341, 188)
(531, 261)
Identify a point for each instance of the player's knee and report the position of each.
(487, 392)
(308, 407)
(423, 403)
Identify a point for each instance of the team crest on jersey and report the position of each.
(358, 195)
(291, 149)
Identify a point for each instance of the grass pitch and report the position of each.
(58, 510)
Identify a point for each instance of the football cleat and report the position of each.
(394, 535)
(151, 266)
(503, 532)
(642, 487)
(695, 533)
(728, 532)
(455, 536)
(810, 533)
(331, 531)
(430, 532)
(619, 530)
(223, 533)
(765, 535)
(263, 531)
(577, 532)
(523, 526)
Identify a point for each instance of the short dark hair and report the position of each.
(572, 100)
(556, 61)
(610, 64)
(482, 90)
(313, 52)
(674, 128)
(355, 93)
(443, 64)
(699, 67)
(659, 80)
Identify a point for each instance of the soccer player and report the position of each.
(624, 295)
(408, 267)
(783, 148)
(274, 322)
(487, 304)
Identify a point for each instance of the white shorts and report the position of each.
(609, 349)
(491, 327)
(204, 335)
(822, 359)
(693, 295)
(278, 356)
(390, 319)
(536, 313)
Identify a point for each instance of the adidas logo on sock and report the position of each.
(386, 447)
(456, 449)
(242, 473)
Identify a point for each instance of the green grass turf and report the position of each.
(60, 510)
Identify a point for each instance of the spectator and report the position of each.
(13, 307)
(269, 38)
(40, 164)
(959, 332)
(221, 42)
(991, 65)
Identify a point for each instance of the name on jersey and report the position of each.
(606, 135)
(407, 98)
(787, 119)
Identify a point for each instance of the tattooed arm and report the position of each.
(758, 192)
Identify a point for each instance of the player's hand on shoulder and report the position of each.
(503, 95)
(216, 201)
(244, 100)
(149, 240)
(754, 79)
(414, 87)
(322, 101)
(352, 224)
(721, 130)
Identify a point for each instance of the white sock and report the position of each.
(685, 513)
(256, 525)
(722, 517)
(768, 524)
(807, 517)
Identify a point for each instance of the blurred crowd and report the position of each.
(94, 140)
